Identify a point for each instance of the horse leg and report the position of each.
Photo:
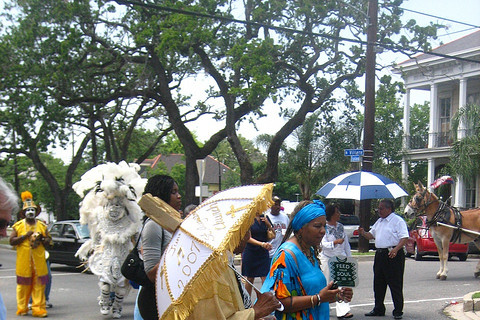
(444, 258)
(442, 250)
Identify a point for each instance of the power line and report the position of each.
(441, 18)
(394, 48)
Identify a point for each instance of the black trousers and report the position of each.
(388, 272)
(147, 303)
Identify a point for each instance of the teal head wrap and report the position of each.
(308, 213)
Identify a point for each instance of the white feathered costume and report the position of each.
(113, 216)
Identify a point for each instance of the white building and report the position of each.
(452, 83)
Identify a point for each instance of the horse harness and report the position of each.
(443, 215)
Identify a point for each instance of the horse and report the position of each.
(447, 224)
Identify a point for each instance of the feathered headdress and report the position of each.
(27, 199)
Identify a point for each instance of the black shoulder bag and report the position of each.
(132, 267)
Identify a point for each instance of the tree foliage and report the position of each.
(465, 160)
(104, 69)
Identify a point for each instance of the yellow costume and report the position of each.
(31, 266)
(222, 301)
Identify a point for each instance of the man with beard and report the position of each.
(30, 237)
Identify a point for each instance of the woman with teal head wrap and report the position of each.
(295, 273)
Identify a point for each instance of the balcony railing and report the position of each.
(420, 141)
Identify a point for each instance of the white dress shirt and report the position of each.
(389, 231)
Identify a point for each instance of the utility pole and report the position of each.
(369, 115)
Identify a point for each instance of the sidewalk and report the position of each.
(455, 311)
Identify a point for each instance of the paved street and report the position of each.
(74, 293)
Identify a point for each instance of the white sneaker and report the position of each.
(117, 314)
(48, 304)
(29, 306)
(105, 310)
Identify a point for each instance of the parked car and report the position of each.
(350, 223)
(420, 243)
(67, 237)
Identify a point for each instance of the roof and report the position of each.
(213, 167)
(453, 48)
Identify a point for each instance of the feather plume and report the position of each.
(26, 195)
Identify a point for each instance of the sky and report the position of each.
(467, 11)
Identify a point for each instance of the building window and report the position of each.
(471, 192)
(445, 112)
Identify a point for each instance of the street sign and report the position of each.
(353, 152)
(354, 158)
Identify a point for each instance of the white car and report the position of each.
(350, 223)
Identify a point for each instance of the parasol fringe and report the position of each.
(260, 204)
(218, 262)
(211, 270)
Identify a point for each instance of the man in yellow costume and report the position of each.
(30, 237)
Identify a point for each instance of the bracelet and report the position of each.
(262, 245)
(318, 299)
(311, 300)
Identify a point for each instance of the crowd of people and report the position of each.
(293, 265)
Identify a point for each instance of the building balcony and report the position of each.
(420, 141)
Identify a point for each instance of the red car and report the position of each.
(420, 243)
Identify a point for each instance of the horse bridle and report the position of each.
(425, 203)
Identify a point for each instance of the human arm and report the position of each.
(367, 235)
(265, 305)
(298, 303)
(398, 247)
(15, 240)
(264, 245)
(152, 238)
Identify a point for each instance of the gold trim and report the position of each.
(217, 262)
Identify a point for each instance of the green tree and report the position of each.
(99, 67)
(465, 160)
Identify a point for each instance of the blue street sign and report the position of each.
(353, 152)
(354, 158)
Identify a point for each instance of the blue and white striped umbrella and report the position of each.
(361, 185)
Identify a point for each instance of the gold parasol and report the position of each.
(196, 255)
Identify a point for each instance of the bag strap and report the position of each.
(140, 234)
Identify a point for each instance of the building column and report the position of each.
(459, 201)
(406, 121)
(404, 178)
(433, 121)
(430, 173)
(462, 101)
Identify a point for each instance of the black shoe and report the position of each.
(374, 313)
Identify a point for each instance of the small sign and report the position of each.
(353, 152)
(204, 191)
(354, 158)
(344, 270)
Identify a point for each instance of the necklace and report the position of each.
(309, 255)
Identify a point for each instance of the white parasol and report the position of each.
(196, 255)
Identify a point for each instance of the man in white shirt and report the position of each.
(390, 233)
(279, 222)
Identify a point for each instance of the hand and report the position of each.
(28, 234)
(266, 304)
(393, 253)
(267, 246)
(328, 294)
(339, 241)
(346, 294)
(361, 231)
